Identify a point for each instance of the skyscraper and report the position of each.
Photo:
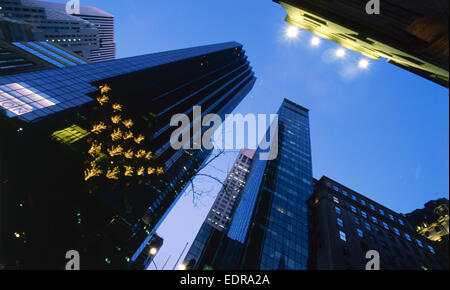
(345, 225)
(89, 34)
(55, 118)
(220, 215)
(412, 34)
(269, 229)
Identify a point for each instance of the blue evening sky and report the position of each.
(383, 132)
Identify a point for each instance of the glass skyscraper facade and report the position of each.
(269, 230)
(54, 110)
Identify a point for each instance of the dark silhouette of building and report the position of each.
(345, 225)
(412, 34)
(432, 223)
(53, 196)
(220, 215)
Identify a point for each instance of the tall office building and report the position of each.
(412, 34)
(269, 229)
(59, 124)
(345, 225)
(220, 215)
(89, 34)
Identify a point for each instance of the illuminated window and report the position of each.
(335, 199)
(408, 237)
(363, 202)
(419, 243)
(354, 197)
(431, 249)
(353, 209)
(386, 226)
(360, 233)
(401, 222)
(368, 227)
(343, 236)
(397, 231)
(344, 192)
(374, 219)
(382, 211)
(340, 222)
(338, 210)
(364, 214)
(19, 99)
(70, 135)
(391, 217)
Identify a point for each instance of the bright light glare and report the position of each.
(340, 52)
(292, 32)
(182, 267)
(315, 41)
(363, 63)
(153, 251)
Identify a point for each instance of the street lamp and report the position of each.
(363, 63)
(340, 52)
(153, 251)
(292, 32)
(315, 41)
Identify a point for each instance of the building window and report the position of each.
(419, 243)
(335, 199)
(343, 236)
(353, 209)
(353, 197)
(340, 222)
(372, 207)
(336, 188)
(368, 227)
(386, 226)
(338, 210)
(363, 202)
(431, 249)
(381, 211)
(401, 222)
(374, 219)
(364, 214)
(360, 233)
(391, 217)
(357, 221)
(344, 192)
(397, 232)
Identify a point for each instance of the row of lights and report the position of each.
(293, 32)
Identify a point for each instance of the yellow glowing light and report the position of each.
(95, 148)
(340, 52)
(129, 171)
(128, 135)
(292, 32)
(128, 123)
(160, 171)
(182, 267)
(92, 172)
(141, 154)
(141, 171)
(112, 174)
(116, 119)
(149, 155)
(115, 151)
(363, 63)
(315, 41)
(116, 135)
(117, 107)
(151, 171)
(17, 235)
(103, 100)
(98, 128)
(129, 154)
(153, 251)
(105, 89)
(139, 139)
